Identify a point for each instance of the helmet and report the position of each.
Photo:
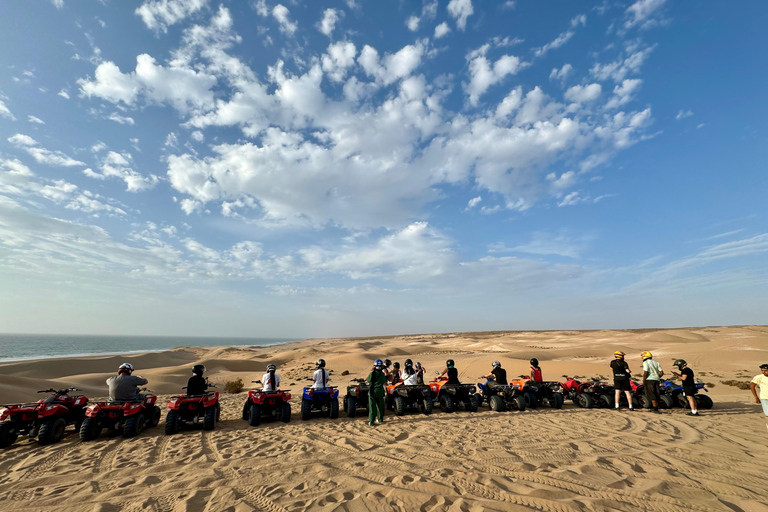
(449, 363)
(418, 364)
(680, 363)
(646, 355)
(408, 363)
(198, 369)
(387, 363)
(125, 366)
(321, 363)
(378, 362)
(271, 368)
(396, 365)
(619, 353)
(534, 362)
(496, 364)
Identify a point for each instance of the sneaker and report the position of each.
(692, 414)
(631, 409)
(656, 411)
(371, 424)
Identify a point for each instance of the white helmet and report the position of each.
(125, 366)
(496, 364)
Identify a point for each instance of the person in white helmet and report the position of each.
(124, 387)
(270, 382)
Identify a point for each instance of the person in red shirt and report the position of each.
(535, 370)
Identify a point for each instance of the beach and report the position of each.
(544, 459)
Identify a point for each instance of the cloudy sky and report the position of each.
(356, 167)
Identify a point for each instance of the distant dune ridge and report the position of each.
(548, 460)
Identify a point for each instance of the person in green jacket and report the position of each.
(377, 379)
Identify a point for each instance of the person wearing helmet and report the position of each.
(453, 373)
(535, 370)
(385, 367)
(270, 382)
(652, 374)
(394, 374)
(321, 376)
(419, 373)
(197, 384)
(621, 375)
(376, 380)
(761, 381)
(124, 387)
(498, 374)
(410, 374)
(689, 384)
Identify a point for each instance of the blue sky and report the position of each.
(355, 167)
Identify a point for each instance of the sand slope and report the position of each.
(548, 460)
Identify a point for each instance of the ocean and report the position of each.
(20, 347)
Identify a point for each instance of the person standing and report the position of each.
(652, 374)
(621, 376)
(377, 379)
(689, 384)
(761, 381)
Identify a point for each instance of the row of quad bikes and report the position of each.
(47, 419)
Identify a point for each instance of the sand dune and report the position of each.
(547, 460)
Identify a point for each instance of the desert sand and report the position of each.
(549, 460)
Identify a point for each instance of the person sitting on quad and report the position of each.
(385, 367)
(689, 384)
(197, 384)
(621, 375)
(453, 373)
(420, 373)
(535, 371)
(394, 375)
(377, 379)
(410, 374)
(321, 376)
(124, 387)
(498, 374)
(270, 382)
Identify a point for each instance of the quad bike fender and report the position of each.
(286, 396)
(93, 411)
(175, 404)
(150, 400)
(211, 399)
(48, 410)
(132, 408)
(5, 413)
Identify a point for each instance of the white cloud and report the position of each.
(64, 94)
(483, 74)
(114, 116)
(198, 136)
(282, 15)
(622, 94)
(619, 69)
(59, 4)
(683, 114)
(544, 243)
(118, 165)
(474, 202)
(338, 59)
(36, 120)
(160, 14)
(328, 23)
(557, 43)
(579, 20)
(412, 23)
(583, 93)
(135, 143)
(460, 10)
(42, 155)
(441, 30)
(562, 73)
(641, 13)
(392, 67)
(5, 111)
(428, 12)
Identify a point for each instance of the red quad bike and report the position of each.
(261, 405)
(45, 419)
(129, 418)
(595, 393)
(191, 409)
(573, 390)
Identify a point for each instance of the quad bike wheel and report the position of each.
(254, 416)
(426, 406)
(399, 406)
(333, 410)
(585, 401)
(134, 425)
(446, 403)
(209, 420)
(643, 401)
(52, 431)
(90, 429)
(518, 403)
(154, 417)
(479, 399)
(496, 403)
(306, 409)
(8, 434)
(682, 401)
(556, 401)
(351, 406)
(703, 401)
(472, 405)
(530, 400)
(666, 402)
(172, 422)
(607, 401)
(285, 414)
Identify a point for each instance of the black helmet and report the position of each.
(198, 369)
(271, 368)
(680, 363)
(534, 362)
(764, 366)
(396, 365)
(321, 363)
(449, 363)
(496, 364)
(408, 363)
(387, 363)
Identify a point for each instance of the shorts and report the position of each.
(622, 385)
(764, 403)
(689, 392)
(652, 390)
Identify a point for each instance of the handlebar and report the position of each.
(63, 391)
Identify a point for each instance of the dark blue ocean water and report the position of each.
(18, 347)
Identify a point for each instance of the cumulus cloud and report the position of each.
(642, 12)
(391, 67)
(338, 59)
(583, 93)
(623, 93)
(620, 68)
(119, 165)
(5, 111)
(474, 202)
(282, 15)
(114, 116)
(40, 154)
(460, 10)
(328, 23)
(160, 14)
(483, 74)
(442, 30)
(561, 73)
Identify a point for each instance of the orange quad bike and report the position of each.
(414, 397)
(536, 393)
(451, 396)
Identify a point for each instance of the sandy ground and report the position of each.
(548, 460)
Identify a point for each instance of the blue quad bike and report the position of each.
(665, 399)
(324, 400)
(678, 399)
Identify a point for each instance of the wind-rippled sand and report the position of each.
(547, 460)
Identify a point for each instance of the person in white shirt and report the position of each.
(652, 374)
(270, 382)
(410, 375)
(761, 381)
(321, 376)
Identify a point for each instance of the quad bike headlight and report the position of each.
(4, 413)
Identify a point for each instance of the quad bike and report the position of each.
(262, 404)
(45, 419)
(449, 396)
(601, 393)
(129, 418)
(538, 393)
(325, 400)
(191, 409)
(679, 400)
(665, 395)
(500, 397)
(357, 396)
(414, 397)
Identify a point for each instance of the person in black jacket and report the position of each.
(453, 373)
(197, 384)
(621, 375)
(689, 385)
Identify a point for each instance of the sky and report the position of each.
(360, 167)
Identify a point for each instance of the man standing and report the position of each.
(621, 376)
(377, 380)
(761, 381)
(652, 374)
